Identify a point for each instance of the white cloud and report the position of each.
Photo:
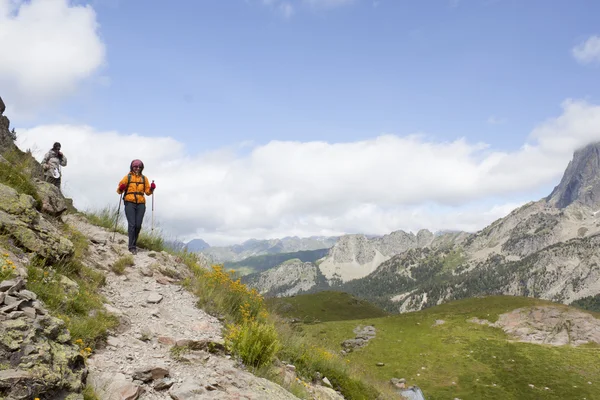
(588, 52)
(47, 48)
(303, 188)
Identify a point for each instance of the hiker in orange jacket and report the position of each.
(135, 185)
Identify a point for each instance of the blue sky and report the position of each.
(215, 72)
(231, 78)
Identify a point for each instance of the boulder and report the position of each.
(53, 202)
(114, 386)
(20, 219)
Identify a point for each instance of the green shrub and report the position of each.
(256, 343)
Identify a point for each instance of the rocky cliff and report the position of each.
(581, 180)
(290, 278)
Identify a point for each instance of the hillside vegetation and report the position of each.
(449, 357)
(324, 306)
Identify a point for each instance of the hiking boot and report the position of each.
(133, 251)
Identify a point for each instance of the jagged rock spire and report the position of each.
(6, 142)
(581, 180)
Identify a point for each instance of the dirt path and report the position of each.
(156, 315)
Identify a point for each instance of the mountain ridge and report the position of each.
(425, 269)
(257, 247)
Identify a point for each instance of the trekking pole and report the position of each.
(117, 219)
(152, 210)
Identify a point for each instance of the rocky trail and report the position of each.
(157, 315)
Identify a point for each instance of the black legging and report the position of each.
(135, 215)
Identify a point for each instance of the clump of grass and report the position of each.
(151, 241)
(12, 176)
(177, 352)
(89, 393)
(79, 240)
(119, 266)
(145, 335)
(106, 217)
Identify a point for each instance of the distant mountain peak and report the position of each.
(581, 180)
(195, 245)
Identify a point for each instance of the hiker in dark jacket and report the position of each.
(52, 163)
(135, 186)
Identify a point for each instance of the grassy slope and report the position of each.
(324, 306)
(479, 359)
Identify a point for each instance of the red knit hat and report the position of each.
(137, 163)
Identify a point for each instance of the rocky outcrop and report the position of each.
(2, 107)
(20, 220)
(290, 278)
(6, 140)
(581, 180)
(53, 202)
(548, 325)
(36, 354)
(363, 335)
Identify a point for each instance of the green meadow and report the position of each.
(324, 306)
(460, 359)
